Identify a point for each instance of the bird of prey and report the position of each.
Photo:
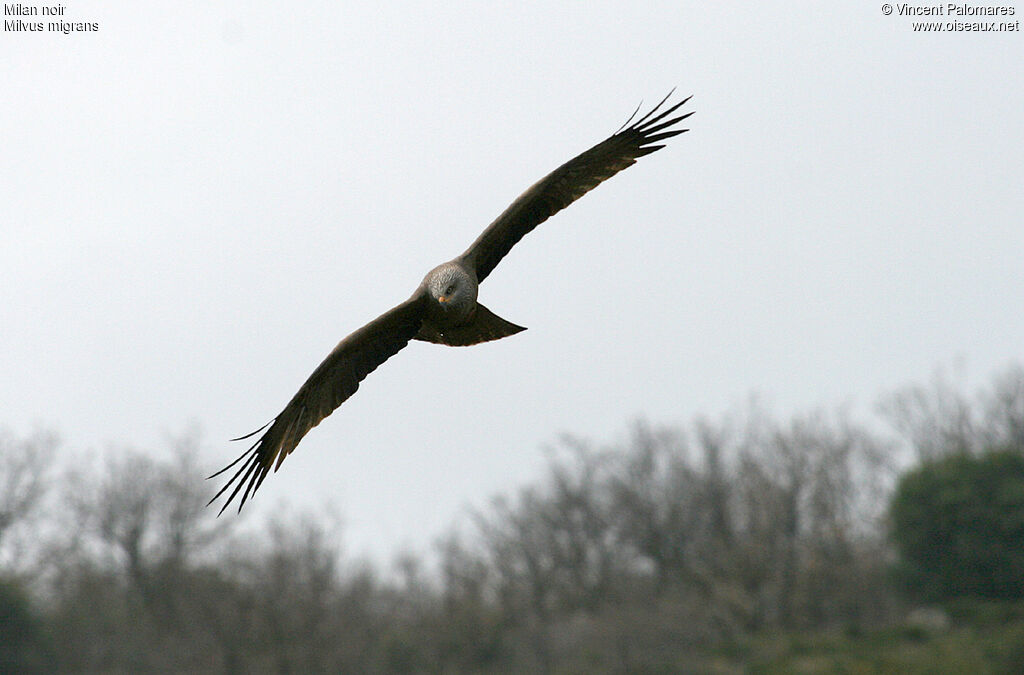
(444, 308)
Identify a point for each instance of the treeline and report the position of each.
(643, 555)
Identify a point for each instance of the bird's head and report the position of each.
(452, 288)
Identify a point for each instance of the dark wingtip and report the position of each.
(640, 122)
(248, 472)
(253, 433)
(626, 123)
(239, 459)
(653, 121)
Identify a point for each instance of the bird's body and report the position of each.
(443, 309)
(453, 315)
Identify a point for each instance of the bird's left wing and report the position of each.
(330, 385)
(571, 181)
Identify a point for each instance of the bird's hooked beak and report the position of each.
(442, 299)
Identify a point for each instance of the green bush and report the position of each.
(958, 524)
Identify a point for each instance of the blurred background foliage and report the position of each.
(823, 543)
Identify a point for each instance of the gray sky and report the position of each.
(201, 199)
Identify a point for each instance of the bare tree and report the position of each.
(296, 584)
(140, 551)
(146, 514)
(937, 419)
(808, 501)
(25, 479)
(1003, 410)
(653, 491)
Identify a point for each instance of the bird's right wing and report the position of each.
(330, 385)
(569, 182)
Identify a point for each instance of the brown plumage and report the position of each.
(443, 309)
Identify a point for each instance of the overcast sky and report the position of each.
(200, 199)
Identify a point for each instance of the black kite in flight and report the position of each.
(443, 309)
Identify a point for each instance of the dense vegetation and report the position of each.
(958, 524)
(731, 545)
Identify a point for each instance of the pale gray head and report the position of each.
(452, 288)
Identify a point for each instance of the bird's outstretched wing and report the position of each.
(569, 182)
(328, 387)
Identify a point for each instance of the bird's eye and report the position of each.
(450, 289)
